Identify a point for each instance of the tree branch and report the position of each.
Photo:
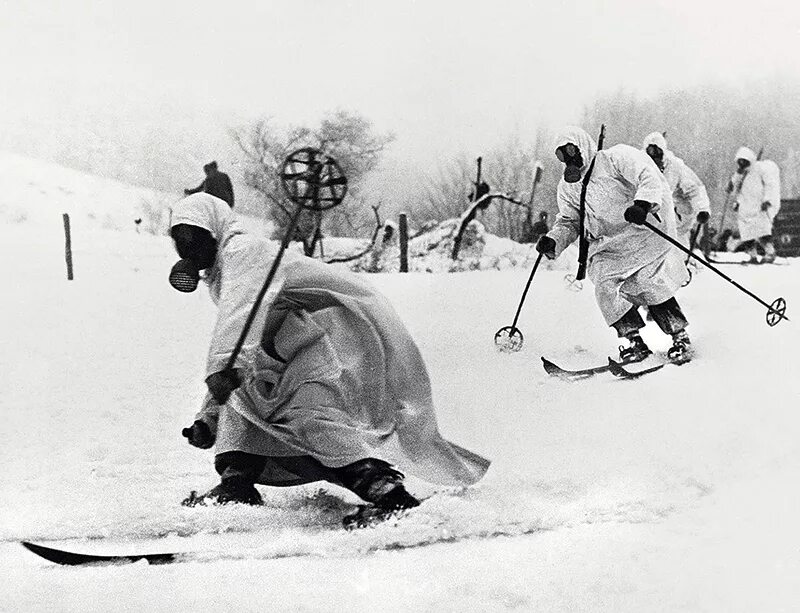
(378, 225)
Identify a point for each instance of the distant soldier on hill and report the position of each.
(216, 183)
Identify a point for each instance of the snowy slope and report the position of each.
(673, 492)
(34, 191)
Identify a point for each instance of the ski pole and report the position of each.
(693, 238)
(312, 182)
(775, 311)
(270, 276)
(509, 338)
(728, 198)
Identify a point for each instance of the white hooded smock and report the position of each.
(759, 183)
(331, 372)
(628, 264)
(689, 195)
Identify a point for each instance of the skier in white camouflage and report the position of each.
(688, 192)
(329, 384)
(757, 189)
(629, 265)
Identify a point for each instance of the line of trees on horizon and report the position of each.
(704, 125)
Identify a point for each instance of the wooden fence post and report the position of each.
(68, 246)
(403, 243)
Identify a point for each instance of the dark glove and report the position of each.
(703, 216)
(199, 435)
(765, 205)
(637, 212)
(221, 384)
(546, 246)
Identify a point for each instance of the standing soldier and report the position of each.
(756, 184)
(216, 183)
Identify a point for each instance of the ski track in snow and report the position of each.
(101, 401)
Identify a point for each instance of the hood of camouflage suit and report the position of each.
(209, 212)
(745, 153)
(657, 139)
(581, 139)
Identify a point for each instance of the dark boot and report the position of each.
(628, 327)
(238, 471)
(377, 482)
(636, 351)
(681, 350)
(225, 493)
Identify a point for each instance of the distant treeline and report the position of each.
(705, 125)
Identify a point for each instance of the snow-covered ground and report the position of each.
(674, 492)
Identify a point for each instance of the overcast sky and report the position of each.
(444, 75)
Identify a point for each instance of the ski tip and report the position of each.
(53, 555)
(37, 549)
(549, 367)
(617, 369)
(68, 558)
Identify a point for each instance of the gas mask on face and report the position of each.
(570, 155)
(198, 251)
(184, 276)
(657, 155)
(742, 165)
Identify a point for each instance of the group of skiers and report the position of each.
(614, 194)
(329, 384)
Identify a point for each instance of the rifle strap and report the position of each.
(583, 242)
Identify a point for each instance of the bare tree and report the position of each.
(346, 136)
(447, 194)
(508, 169)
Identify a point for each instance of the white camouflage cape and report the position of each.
(343, 379)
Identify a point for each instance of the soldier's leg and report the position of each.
(769, 248)
(670, 318)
